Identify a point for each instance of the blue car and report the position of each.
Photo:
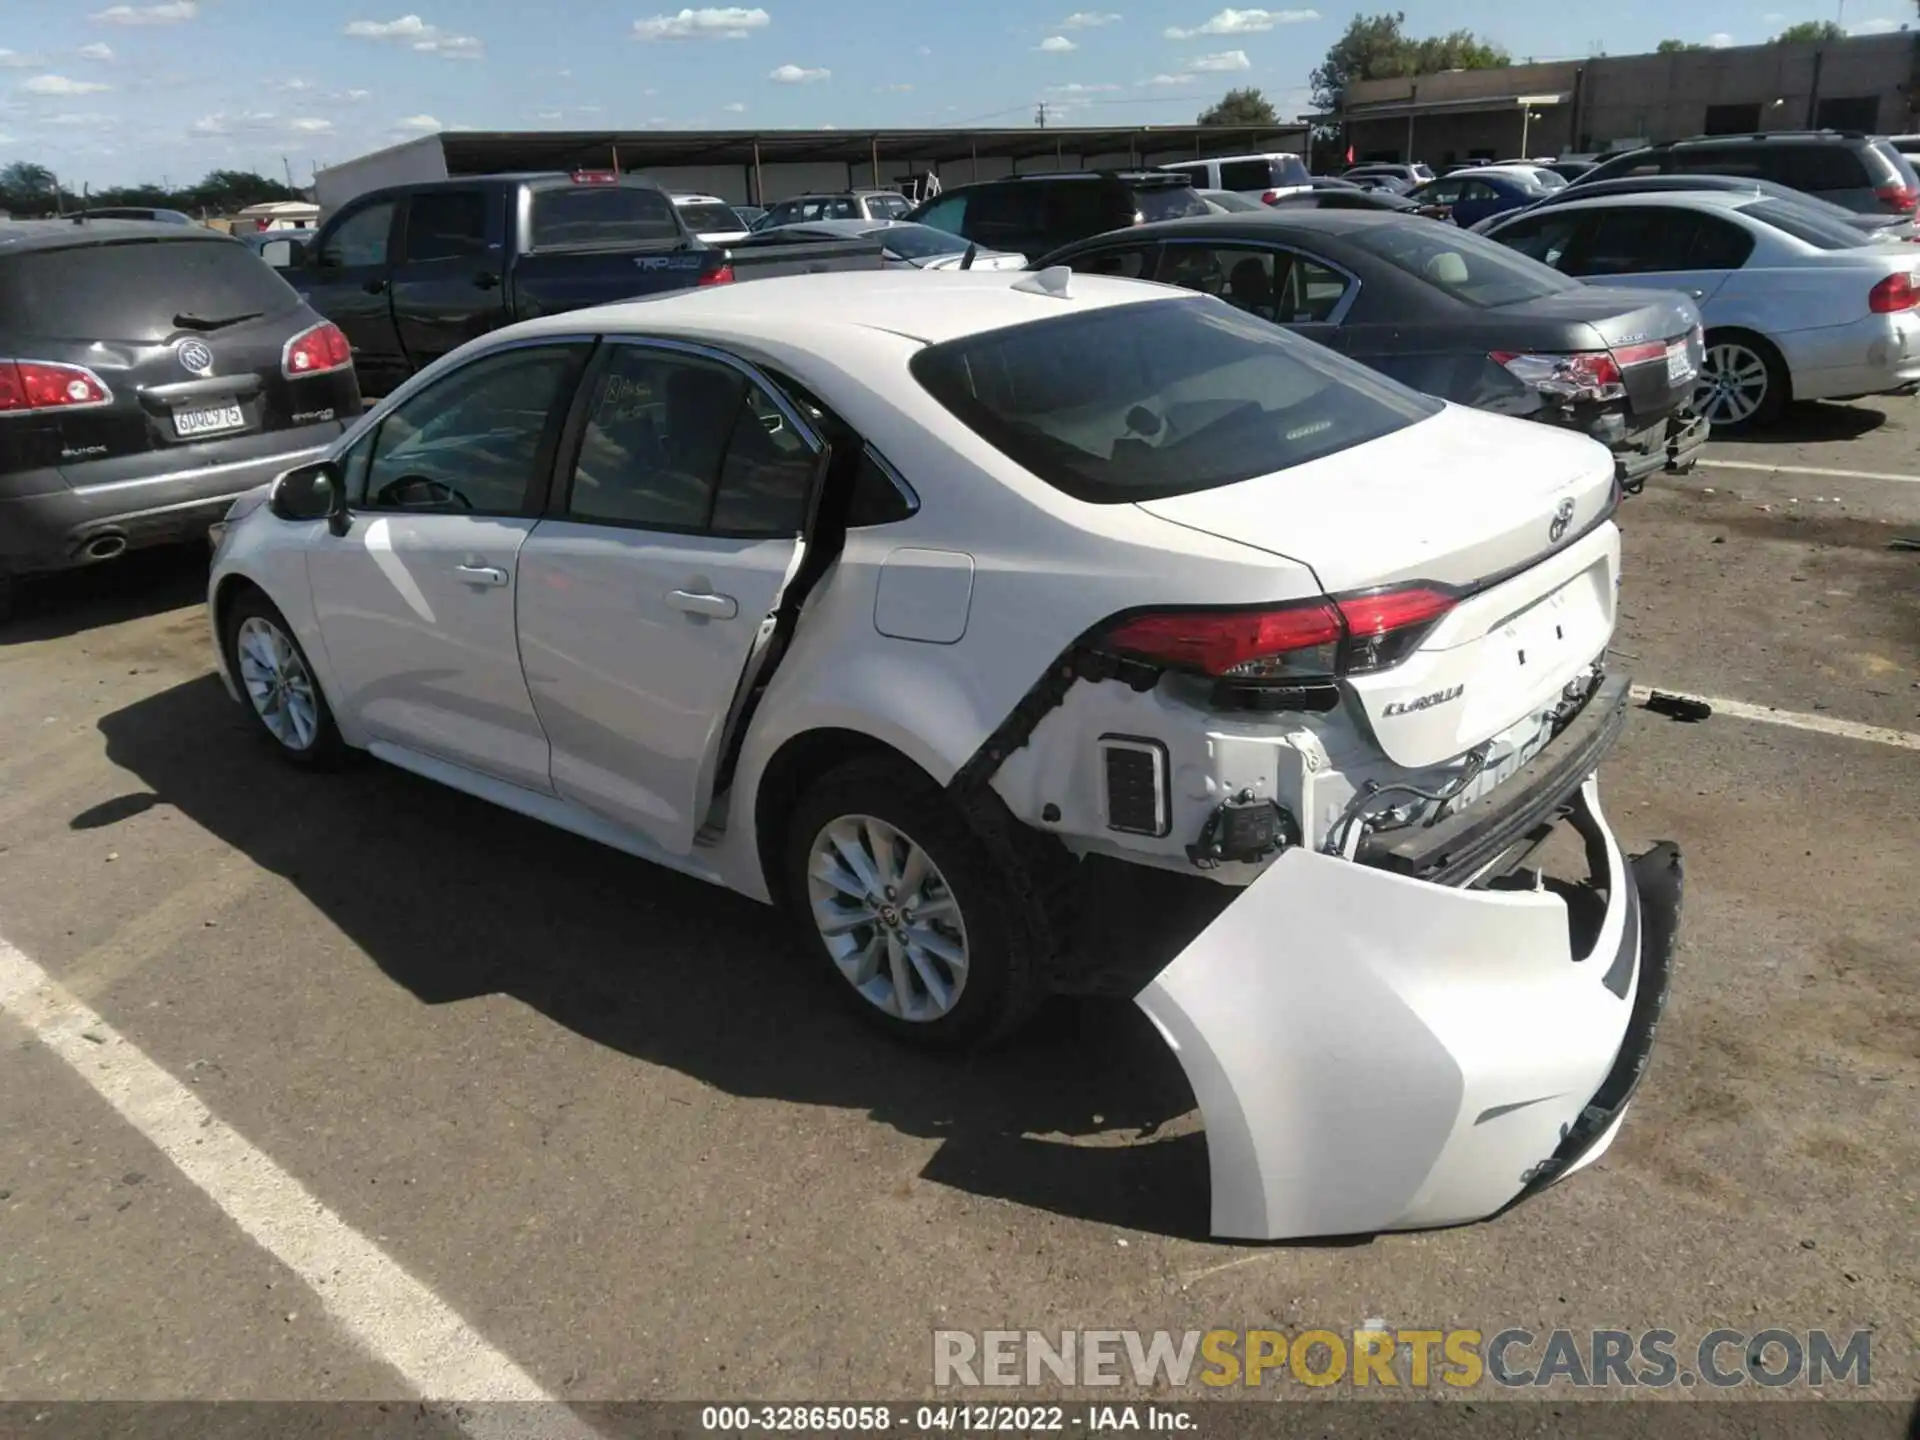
(1467, 197)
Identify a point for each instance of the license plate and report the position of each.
(1680, 367)
(197, 420)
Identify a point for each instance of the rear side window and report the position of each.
(133, 289)
(1808, 226)
(1817, 168)
(1133, 402)
(1075, 209)
(1168, 202)
(887, 207)
(445, 224)
(591, 217)
(1470, 268)
(1246, 175)
(1545, 238)
(949, 213)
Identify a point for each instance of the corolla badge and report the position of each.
(1562, 518)
(194, 357)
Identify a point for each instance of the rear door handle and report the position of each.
(719, 607)
(481, 574)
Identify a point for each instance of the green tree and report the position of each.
(1377, 47)
(1675, 47)
(1247, 108)
(1815, 31)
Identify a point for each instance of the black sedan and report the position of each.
(1447, 312)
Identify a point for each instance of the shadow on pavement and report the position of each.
(1812, 422)
(454, 898)
(68, 602)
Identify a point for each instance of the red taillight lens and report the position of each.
(316, 351)
(1270, 197)
(1585, 376)
(596, 177)
(722, 276)
(1900, 199)
(1284, 642)
(1648, 354)
(1894, 294)
(48, 385)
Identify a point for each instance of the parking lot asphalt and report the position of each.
(596, 1114)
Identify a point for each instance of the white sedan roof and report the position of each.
(928, 307)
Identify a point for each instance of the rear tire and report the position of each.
(1744, 384)
(277, 683)
(917, 917)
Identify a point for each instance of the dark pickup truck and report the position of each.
(413, 272)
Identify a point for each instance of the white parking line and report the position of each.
(392, 1315)
(1809, 470)
(1794, 719)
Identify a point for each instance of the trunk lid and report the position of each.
(1501, 509)
(1640, 328)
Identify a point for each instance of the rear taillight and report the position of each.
(722, 276)
(30, 385)
(1311, 638)
(1270, 197)
(1894, 294)
(316, 351)
(1900, 199)
(595, 177)
(1583, 377)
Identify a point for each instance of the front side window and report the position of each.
(1167, 397)
(1636, 240)
(361, 238)
(949, 213)
(474, 442)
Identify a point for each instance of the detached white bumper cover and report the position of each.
(1376, 1052)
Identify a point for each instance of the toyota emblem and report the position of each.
(1562, 518)
(194, 357)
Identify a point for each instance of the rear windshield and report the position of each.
(1899, 164)
(705, 218)
(599, 217)
(1133, 402)
(1473, 270)
(1807, 225)
(1168, 202)
(133, 289)
(915, 242)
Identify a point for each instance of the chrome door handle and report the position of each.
(481, 574)
(719, 607)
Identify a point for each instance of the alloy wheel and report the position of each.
(1733, 383)
(277, 683)
(887, 917)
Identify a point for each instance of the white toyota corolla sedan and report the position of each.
(887, 597)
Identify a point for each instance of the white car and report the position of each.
(886, 596)
(710, 218)
(1797, 306)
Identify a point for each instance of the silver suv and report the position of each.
(1865, 175)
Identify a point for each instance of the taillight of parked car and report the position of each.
(722, 276)
(30, 385)
(1900, 199)
(315, 351)
(1894, 294)
(1584, 377)
(1352, 635)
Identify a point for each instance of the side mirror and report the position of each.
(311, 492)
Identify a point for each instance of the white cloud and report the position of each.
(352, 97)
(168, 14)
(798, 75)
(84, 120)
(1225, 60)
(14, 60)
(1242, 22)
(1086, 20)
(422, 123)
(899, 87)
(924, 50)
(61, 85)
(736, 108)
(594, 109)
(547, 115)
(1056, 45)
(1874, 27)
(1178, 78)
(1720, 41)
(453, 47)
(311, 125)
(221, 123)
(407, 27)
(95, 51)
(731, 22)
(296, 85)
(1076, 88)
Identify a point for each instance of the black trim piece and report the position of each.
(1657, 881)
(1162, 800)
(1453, 850)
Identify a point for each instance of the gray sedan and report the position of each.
(1796, 306)
(904, 244)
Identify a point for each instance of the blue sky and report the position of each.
(173, 88)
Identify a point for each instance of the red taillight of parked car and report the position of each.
(1894, 294)
(722, 276)
(1270, 197)
(316, 351)
(28, 385)
(1348, 636)
(1900, 199)
(1586, 376)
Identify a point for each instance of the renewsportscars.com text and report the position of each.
(1411, 1359)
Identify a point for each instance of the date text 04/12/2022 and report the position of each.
(951, 1418)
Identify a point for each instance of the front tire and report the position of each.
(919, 922)
(1744, 383)
(277, 683)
